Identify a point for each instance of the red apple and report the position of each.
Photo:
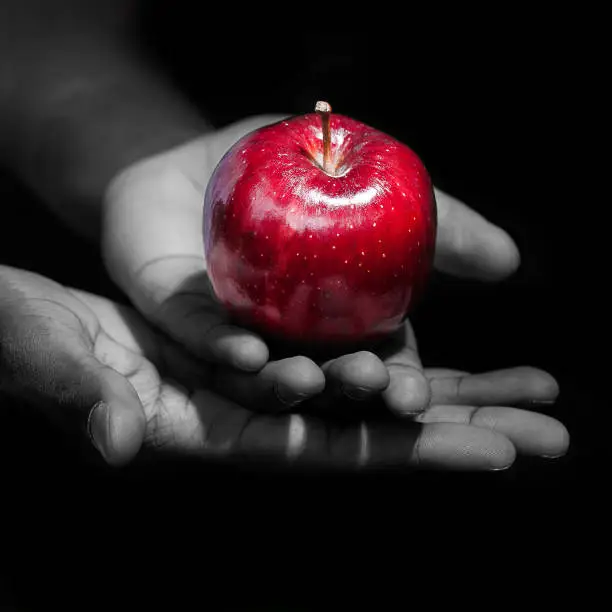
(319, 228)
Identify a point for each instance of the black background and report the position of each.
(502, 106)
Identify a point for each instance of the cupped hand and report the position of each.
(103, 373)
(153, 248)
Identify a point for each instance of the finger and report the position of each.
(467, 245)
(278, 386)
(116, 423)
(501, 387)
(357, 376)
(192, 317)
(211, 425)
(531, 433)
(209, 338)
(408, 391)
(317, 443)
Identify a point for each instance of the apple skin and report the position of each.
(305, 256)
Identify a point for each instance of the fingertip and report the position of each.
(408, 393)
(116, 431)
(539, 384)
(502, 455)
(552, 439)
(468, 245)
(359, 375)
(298, 378)
(369, 368)
(127, 430)
(559, 446)
(506, 257)
(555, 444)
(498, 257)
(547, 388)
(243, 351)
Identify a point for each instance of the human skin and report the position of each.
(128, 172)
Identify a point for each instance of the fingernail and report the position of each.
(97, 428)
(535, 403)
(554, 456)
(358, 394)
(420, 414)
(298, 398)
(501, 469)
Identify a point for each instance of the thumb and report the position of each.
(115, 421)
(52, 368)
(469, 246)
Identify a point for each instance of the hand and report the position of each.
(153, 249)
(102, 372)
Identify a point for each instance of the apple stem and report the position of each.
(324, 111)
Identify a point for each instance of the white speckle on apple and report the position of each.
(374, 224)
(334, 247)
(384, 255)
(346, 261)
(363, 253)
